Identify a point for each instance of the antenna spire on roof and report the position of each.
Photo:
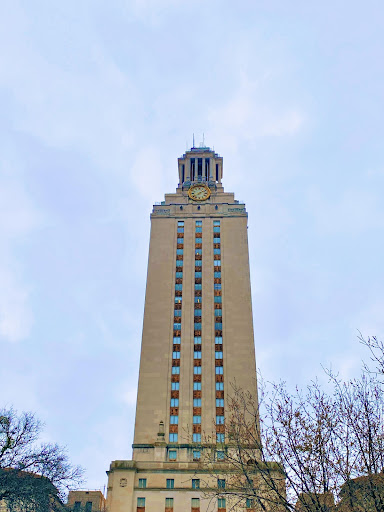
(193, 140)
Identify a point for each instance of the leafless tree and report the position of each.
(32, 474)
(312, 450)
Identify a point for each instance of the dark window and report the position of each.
(77, 506)
(221, 483)
(88, 506)
(207, 168)
(217, 172)
(182, 173)
(195, 483)
(199, 167)
(192, 169)
(170, 483)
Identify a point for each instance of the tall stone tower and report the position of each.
(197, 341)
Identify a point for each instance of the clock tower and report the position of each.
(197, 340)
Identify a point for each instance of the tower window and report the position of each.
(217, 172)
(219, 386)
(175, 370)
(197, 370)
(219, 402)
(196, 455)
(196, 438)
(220, 438)
(197, 340)
(175, 386)
(141, 502)
(199, 223)
(169, 503)
(192, 169)
(216, 223)
(174, 402)
(218, 355)
(221, 501)
(180, 223)
(199, 167)
(221, 483)
(170, 483)
(197, 402)
(216, 229)
(199, 229)
(195, 502)
(197, 355)
(197, 420)
(173, 438)
(142, 483)
(219, 420)
(207, 168)
(219, 370)
(174, 420)
(195, 485)
(182, 173)
(197, 386)
(172, 455)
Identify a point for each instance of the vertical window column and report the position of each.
(197, 349)
(218, 319)
(176, 350)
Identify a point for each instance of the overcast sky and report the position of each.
(98, 100)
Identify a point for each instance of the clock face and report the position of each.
(199, 192)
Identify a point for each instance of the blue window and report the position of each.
(177, 326)
(217, 275)
(217, 286)
(174, 420)
(173, 438)
(199, 230)
(219, 340)
(197, 355)
(197, 370)
(220, 455)
(170, 483)
(141, 502)
(180, 223)
(142, 483)
(199, 223)
(220, 438)
(215, 251)
(197, 340)
(198, 263)
(175, 355)
(217, 263)
(198, 275)
(180, 251)
(197, 386)
(219, 370)
(219, 420)
(219, 386)
(221, 483)
(196, 438)
(197, 312)
(178, 287)
(215, 223)
(216, 229)
(176, 340)
(178, 300)
(197, 326)
(174, 402)
(198, 286)
(218, 326)
(197, 300)
(218, 312)
(179, 275)
(180, 230)
(177, 312)
(196, 455)
(199, 252)
(197, 402)
(197, 420)
(218, 355)
(195, 485)
(180, 241)
(195, 502)
(219, 402)
(198, 240)
(172, 454)
(218, 299)
(217, 239)
(250, 503)
(175, 386)
(175, 370)
(179, 263)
